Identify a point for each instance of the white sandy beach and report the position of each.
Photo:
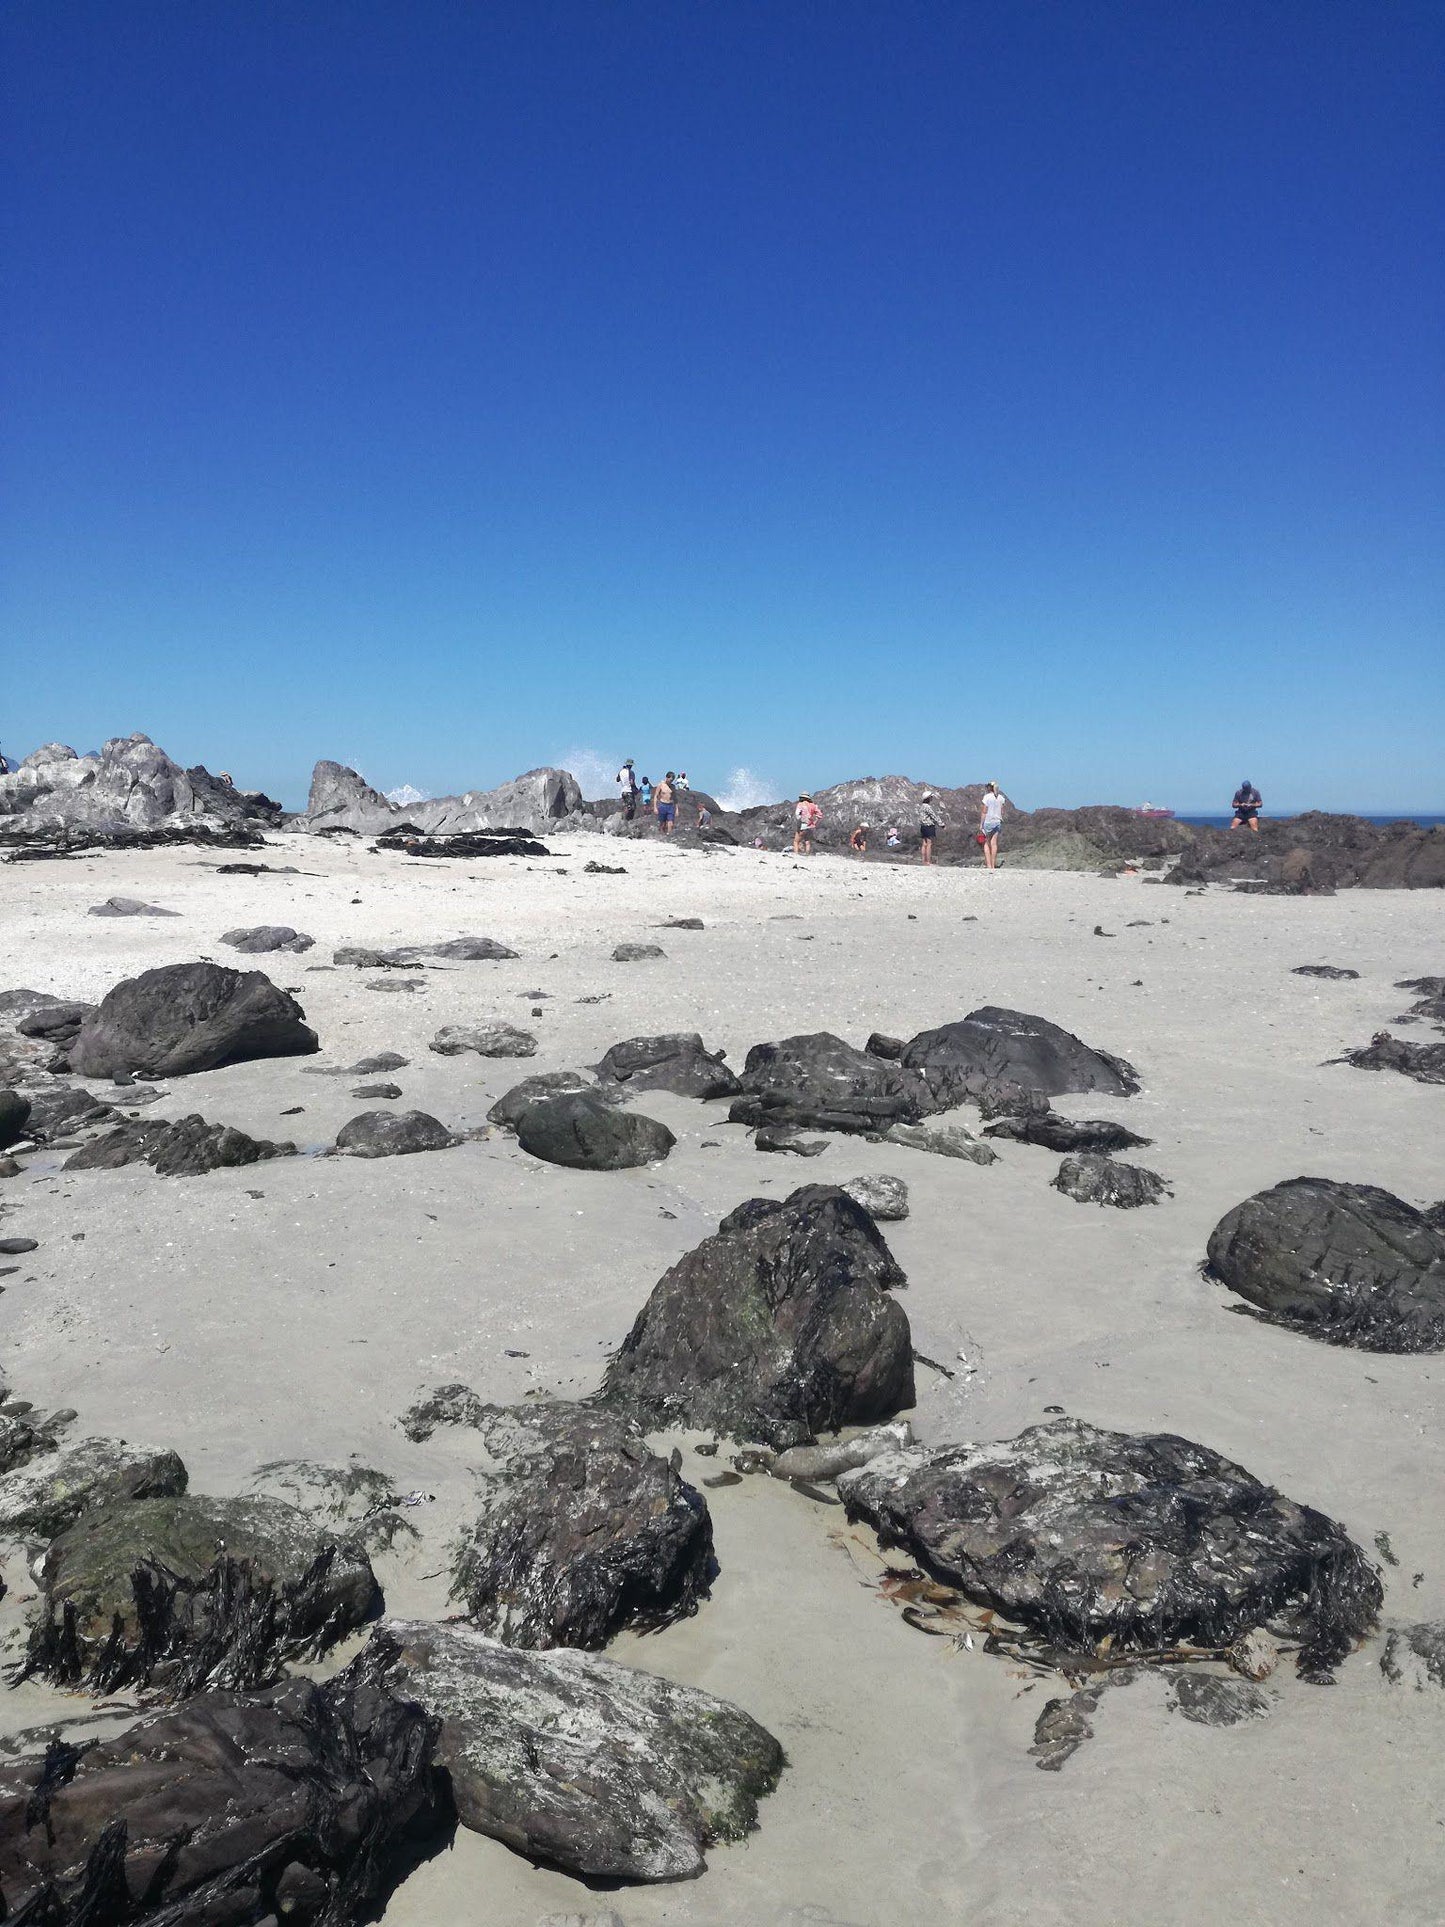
(296, 1308)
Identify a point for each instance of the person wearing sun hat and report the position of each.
(927, 826)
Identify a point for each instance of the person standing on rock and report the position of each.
(927, 826)
(627, 788)
(1247, 805)
(808, 817)
(990, 819)
(666, 799)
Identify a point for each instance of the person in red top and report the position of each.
(809, 817)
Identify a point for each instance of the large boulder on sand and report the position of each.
(582, 1530)
(589, 1134)
(1091, 1178)
(779, 1326)
(992, 1046)
(279, 1805)
(391, 1134)
(189, 1017)
(1349, 1263)
(606, 1772)
(1143, 1539)
(674, 1061)
(193, 1591)
(817, 1082)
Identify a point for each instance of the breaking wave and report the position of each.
(406, 793)
(744, 789)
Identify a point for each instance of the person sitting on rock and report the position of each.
(665, 797)
(808, 816)
(893, 839)
(704, 817)
(858, 841)
(1247, 805)
(927, 826)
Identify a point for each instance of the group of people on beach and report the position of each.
(990, 822)
(659, 799)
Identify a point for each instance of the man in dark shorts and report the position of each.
(927, 826)
(665, 796)
(1247, 805)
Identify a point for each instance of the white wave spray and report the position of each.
(406, 793)
(744, 789)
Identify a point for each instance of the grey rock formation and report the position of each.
(189, 1017)
(42, 1497)
(187, 1147)
(128, 907)
(280, 1805)
(1089, 1178)
(391, 1134)
(263, 937)
(638, 953)
(492, 1037)
(884, 1198)
(1349, 1263)
(581, 1530)
(1144, 1539)
(606, 1772)
(993, 1045)
(130, 786)
(941, 1140)
(189, 1592)
(674, 1061)
(589, 1134)
(508, 1109)
(456, 949)
(535, 802)
(818, 1082)
(779, 1326)
(1068, 1134)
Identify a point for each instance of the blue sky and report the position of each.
(1039, 389)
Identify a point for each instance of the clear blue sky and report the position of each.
(1048, 389)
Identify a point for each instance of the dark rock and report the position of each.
(457, 949)
(1317, 853)
(637, 952)
(1002, 1098)
(594, 869)
(390, 1134)
(17, 1247)
(884, 1198)
(582, 1530)
(473, 950)
(493, 1037)
(1349, 1263)
(1062, 1727)
(787, 1139)
(1431, 991)
(1415, 1653)
(377, 1090)
(992, 1046)
(1146, 1539)
(1424, 1062)
(674, 1061)
(257, 870)
(14, 1116)
(267, 936)
(1055, 1133)
(189, 1592)
(57, 1023)
(386, 1060)
(881, 1045)
(285, 1804)
(817, 1082)
(682, 923)
(26, 1435)
(1208, 1699)
(942, 1140)
(776, 1328)
(447, 1405)
(48, 1493)
(1332, 971)
(184, 1148)
(483, 843)
(15, 1004)
(606, 1772)
(128, 907)
(189, 1017)
(1089, 1178)
(587, 1134)
(508, 1109)
(63, 1108)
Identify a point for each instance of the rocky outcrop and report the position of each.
(674, 1061)
(536, 801)
(587, 1133)
(1424, 1062)
(129, 786)
(457, 949)
(779, 1326)
(188, 1592)
(392, 1134)
(1145, 1541)
(581, 1531)
(818, 1082)
(1316, 853)
(1090, 1178)
(1069, 1134)
(992, 1046)
(185, 1148)
(1349, 1263)
(884, 1198)
(43, 1497)
(262, 937)
(492, 1037)
(189, 1017)
(279, 1805)
(603, 1771)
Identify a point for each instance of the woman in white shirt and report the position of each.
(990, 817)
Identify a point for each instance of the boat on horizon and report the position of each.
(1153, 810)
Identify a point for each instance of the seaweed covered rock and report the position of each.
(817, 1082)
(1144, 1539)
(992, 1046)
(189, 1017)
(587, 1133)
(391, 1134)
(582, 1530)
(185, 1147)
(48, 1493)
(1424, 1062)
(352, 1501)
(61, 1108)
(1090, 1178)
(191, 1592)
(779, 1326)
(1349, 1263)
(1067, 1134)
(570, 1759)
(673, 1061)
(278, 1805)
